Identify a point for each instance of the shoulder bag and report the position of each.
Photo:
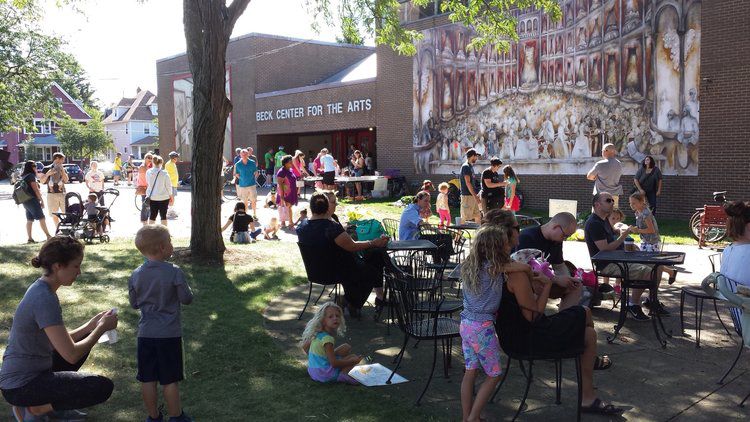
(147, 200)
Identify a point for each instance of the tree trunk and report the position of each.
(208, 26)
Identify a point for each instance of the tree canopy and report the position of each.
(84, 141)
(29, 62)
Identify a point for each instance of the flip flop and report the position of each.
(600, 408)
(602, 362)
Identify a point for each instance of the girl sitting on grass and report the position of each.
(324, 362)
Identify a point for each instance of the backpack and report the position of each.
(369, 229)
(21, 192)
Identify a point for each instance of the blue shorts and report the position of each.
(116, 173)
(33, 210)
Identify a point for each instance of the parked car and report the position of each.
(106, 167)
(74, 172)
(15, 172)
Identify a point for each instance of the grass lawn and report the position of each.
(234, 370)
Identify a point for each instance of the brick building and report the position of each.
(631, 72)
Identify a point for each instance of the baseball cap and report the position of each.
(281, 147)
(174, 154)
(471, 152)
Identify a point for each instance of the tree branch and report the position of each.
(234, 11)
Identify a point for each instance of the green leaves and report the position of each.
(29, 62)
(84, 141)
(384, 20)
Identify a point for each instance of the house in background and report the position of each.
(130, 122)
(40, 143)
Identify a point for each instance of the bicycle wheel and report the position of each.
(695, 225)
(229, 191)
(138, 202)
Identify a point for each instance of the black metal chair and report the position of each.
(391, 228)
(320, 271)
(531, 355)
(418, 324)
(736, 314)
(700, 295)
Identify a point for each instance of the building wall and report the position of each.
(724, 125)
(257, 64)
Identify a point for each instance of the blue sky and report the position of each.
(118, 41)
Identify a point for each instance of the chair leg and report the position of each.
(742, 403)
(716, 308)
(432, 372)
(502, 380)
(398, 358)
(579, 381)
(698, 321)
(309, 294)
(526, 391)
(721, 381)
(323, 290)
(558, 380)
(682, 312)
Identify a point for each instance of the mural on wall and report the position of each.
(619, 71)
(182, 93)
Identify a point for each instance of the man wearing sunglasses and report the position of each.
(549, 238)
(600, 236)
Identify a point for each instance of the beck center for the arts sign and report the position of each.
(315, 110)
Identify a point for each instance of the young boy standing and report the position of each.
(158, 288)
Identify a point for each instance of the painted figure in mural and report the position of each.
(455, 150)
(689, 127)
(581, 75)
(529, 77)
(632, 82)
(581, 146)
(444, 150)
(547, 132)
(595, 4)
(632, 16)
(492, 149)
(634, 152)
(610, 29)
(595, 83)
(479, 146)
(560, 144)
(447, 98)
(582, 43)
(611, 74)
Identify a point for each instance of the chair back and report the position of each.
(319, 264)
(450, 243)
(715, 260)
(714, 216)
(412, 296)
(391, 228)
(735, 311)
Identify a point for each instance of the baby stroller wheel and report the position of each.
(104, 239)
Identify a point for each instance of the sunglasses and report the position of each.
(609, 200)
(565, 236)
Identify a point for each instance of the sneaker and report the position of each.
(182, 418)
(656, 307)
(274, 237)
(637, 313)
(159, 419)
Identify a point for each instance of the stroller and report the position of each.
(75, 223)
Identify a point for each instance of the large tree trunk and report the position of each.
(208, 26)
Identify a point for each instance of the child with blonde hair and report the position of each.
(326, 363)
(441, 204)
(483, 274)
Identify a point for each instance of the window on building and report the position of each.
(43, 127)
(125, 150)
(126, 129)
(146, 130)
(428, 10)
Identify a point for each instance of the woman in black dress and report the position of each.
(647, 181)
(521, 321)
(358, 276)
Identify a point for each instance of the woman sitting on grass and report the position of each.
(243, 225)
(324, 362)
(39, 376)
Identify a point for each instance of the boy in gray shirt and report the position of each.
(158, 288)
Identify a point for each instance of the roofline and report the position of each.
(313, 88)
(279, 37)
(70, 98)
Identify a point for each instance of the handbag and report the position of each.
(147, 200)
(21, 192)
(368, 229)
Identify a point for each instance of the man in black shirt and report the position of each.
(600, 236)
(492, 186)
(469, 197)
(549, 238)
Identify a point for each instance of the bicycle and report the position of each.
(229, 189)
(714, 234)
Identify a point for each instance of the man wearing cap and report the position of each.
(246, 170)
(174, 178)
(606, 174)
(277, 160)
(236, 155)
(469, 197)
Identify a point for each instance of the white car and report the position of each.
(106, 167)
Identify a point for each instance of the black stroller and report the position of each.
(75, 223)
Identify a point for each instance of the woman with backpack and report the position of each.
(35, 205)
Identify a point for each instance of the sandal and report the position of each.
(602, 362)
(598, 407)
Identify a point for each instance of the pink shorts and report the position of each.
(481, 346)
